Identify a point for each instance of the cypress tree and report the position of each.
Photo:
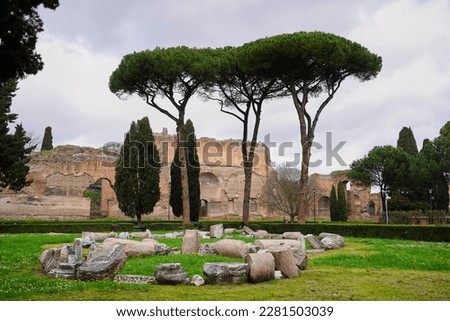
(47, 141)
(13, 150)
(137, 174)
(193, 172)
(342, 210)
(407, 141)
(333, 204)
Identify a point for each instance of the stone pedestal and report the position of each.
(102, 263)
(284, 261)
(261, 267)
(191, 242)
(225, 273)
(171, 274)
(216, 231)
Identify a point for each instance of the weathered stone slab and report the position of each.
(141, 235)
(248, 230)
(171, 274)
(297, 246)
(216, 231)
(173, 235)
(229, 231)
(292, 235)
(86, 242)
(132, 248)
(191, 242)
(49, 259)
(232, 248)
(314, 242)
(78, 250)
(225, 273)
(160, 248)
(207, 249)
(197, 280)
(135, 279)
(102, 263)
(124, 235)
(331, 241)
(261, 234)
(284, 261)
(261, 267)
(96, 237)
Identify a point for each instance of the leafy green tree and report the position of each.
(19, 25)
(241, 88)
(333, 205)
(193, 173)
(137, 174)
(407, 141)
(14, 149)
(174, 74)
(442, 145)
(431, 186)
(311, 65)
(47, 141)
(342, 210)
(384, 167)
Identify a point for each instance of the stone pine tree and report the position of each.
(407, 141)
(341, 209)
(193, 173)
(333, 204)
(47, 141)
(242, 87)
(137, 173)
(312, 67)
(166, 75)
(14, 149)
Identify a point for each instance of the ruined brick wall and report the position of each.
(61, 176)
(362, 204)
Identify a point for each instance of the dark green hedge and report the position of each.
(436, 233)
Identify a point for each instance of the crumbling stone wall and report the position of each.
(61, 176)
(362, 204)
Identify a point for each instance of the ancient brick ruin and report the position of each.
(61, 177)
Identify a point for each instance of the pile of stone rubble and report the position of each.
(269, 256)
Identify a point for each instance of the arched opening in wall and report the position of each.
(209, 186)
(371, 208)
(94, 192)
(323, 205)
(204, 208)
(347, 184)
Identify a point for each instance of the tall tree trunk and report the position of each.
(247, 190)
(304, 178)
(306, 138)
(183, 171)
(185, 192)
(383, 203)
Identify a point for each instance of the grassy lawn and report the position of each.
(366, 269)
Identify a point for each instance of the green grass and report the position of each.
(366, 269)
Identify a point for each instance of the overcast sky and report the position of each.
(84, 41)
